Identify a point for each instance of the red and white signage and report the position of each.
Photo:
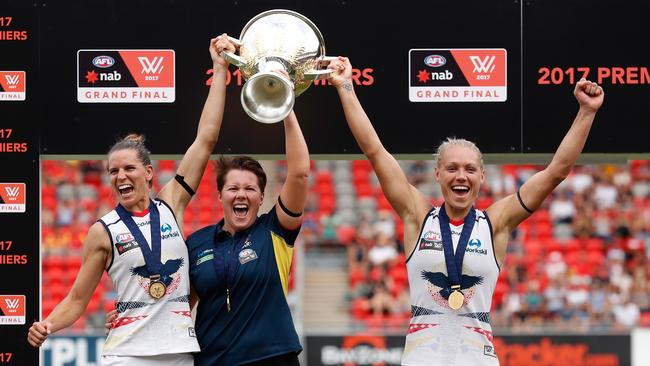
(12, 86)
(12, 197)
(126, 76)
(12, 309)
(458, 75)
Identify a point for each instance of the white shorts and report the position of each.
(182, 359)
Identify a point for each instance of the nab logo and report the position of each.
(103, 61)
(12, 80)
(154, 66)
(435, 60)
(484, 65)
(165, 228)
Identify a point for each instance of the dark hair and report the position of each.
(135, 142)
(226, 164)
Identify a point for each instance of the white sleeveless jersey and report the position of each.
(439, 335)
(146, 326)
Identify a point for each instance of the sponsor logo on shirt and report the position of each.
(125, 242)
(431, 241)
(167, 233)
(474, 246)
(205, 256)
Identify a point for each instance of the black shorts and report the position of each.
(288, 359)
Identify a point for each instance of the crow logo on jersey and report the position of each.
(169, 274)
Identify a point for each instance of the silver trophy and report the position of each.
(277, 40)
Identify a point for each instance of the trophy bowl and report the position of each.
(271, 43)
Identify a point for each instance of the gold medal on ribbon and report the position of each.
(456, 299)
(157, 289)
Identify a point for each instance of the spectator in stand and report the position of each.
(554, 296)
(381, 301)
(562, 209)
(385, 224)
(626, 313)
(418, 172)
(581, 178)
(383, 252)
(605, 193)
(555, 266)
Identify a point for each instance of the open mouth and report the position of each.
(240, 210)
(125, 189)
(460, 190)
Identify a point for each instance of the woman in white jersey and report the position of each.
(140, 245)
(455, 251)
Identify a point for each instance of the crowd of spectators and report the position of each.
(581, 262)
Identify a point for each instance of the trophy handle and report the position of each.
(231, 57)
(323, 73)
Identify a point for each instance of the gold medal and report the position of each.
(456, 299)
(157, 289)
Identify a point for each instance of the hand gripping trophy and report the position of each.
(277, 40)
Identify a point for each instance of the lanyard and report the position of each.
(151, 255)
(455, 261)
(226, 264)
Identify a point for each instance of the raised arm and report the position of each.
(195, 159)
(409, 203)
(95, 254)
(294, 191)
(507, 213)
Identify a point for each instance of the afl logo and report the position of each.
(124, 238)
(435, 60)
(431, 236)
(103, 61)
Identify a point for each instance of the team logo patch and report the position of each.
(12, 309)
(431, 241)
(247, 255)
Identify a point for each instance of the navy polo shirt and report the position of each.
(253, 266)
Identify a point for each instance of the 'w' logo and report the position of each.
(12, 192)
(154, 66)
(484, 65)
(12, 79)
(12, 304)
